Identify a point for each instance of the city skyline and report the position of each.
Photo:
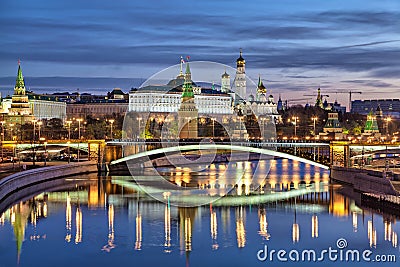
(296, 48)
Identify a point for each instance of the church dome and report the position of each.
(225, 75)
(263, 98)
(251, 98)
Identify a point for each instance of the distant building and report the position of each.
(24, 106)
(261, 104)
(96, 109)
(332, 128)
(388, 107)
(240, 78)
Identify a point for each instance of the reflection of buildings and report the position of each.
(339, 205)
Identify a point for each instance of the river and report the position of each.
(287, 218)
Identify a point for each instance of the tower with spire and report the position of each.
(261, 90)
(187, 112)
(319, 102)
(20, 110)
(240, 78)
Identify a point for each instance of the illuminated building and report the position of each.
(25, 106)
(261, 104)
(240, 78)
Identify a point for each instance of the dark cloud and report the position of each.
(371, 83)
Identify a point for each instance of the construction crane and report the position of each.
(347, 92)
(296, 100)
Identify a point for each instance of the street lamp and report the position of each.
(111, 127)
(139, 119)
(39, 124)
(45, 149)
(388, 119)
(213, 120)
(314, 120)
(2, 139)
(69, 140)
(295, 125)
(79, 135)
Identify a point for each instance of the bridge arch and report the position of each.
(217, 146)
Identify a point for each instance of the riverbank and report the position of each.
(30, 178)
(364, 180)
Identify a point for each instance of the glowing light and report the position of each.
(78, 221)
(388, 230)
(263, 225)
(371, 234)
(188, 234)
(213, 229)
(138, 243)
(355, 221)
(295, 233)
(314, 226)
(167, 228)
(68, 218)
(45, 209)
(240, 229)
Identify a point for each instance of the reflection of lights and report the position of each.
(78, 221)
(388, 230)
(2, 219)
(213, 229)
(45, 209)
(314, 226)
(110, 242)
(295, 233)
(394, 239)
(167, 227)
(39, 210)
(138, 243)
(188, 234)
(263, 225)
(33, 217)
(371, 234)
(240, 230)
(111, 224)
(355, 221)
(68, 218)
(12, 216)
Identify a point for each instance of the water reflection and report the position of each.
(146, 225)
(240, 214)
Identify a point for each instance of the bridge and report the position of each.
(161, 152)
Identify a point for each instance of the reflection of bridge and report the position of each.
(161, 152)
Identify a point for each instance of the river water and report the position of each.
(110, 221)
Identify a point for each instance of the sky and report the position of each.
(295, 46)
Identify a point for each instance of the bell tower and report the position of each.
(240, 78)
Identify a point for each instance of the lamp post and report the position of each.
(213, 120)
(111, 127)
(69, 140)
(388, 119)
(39, 123)
(79, 136)
(138, 119)
(2, 139)
(314, 120)
(295, 126)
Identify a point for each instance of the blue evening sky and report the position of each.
(296, 46)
